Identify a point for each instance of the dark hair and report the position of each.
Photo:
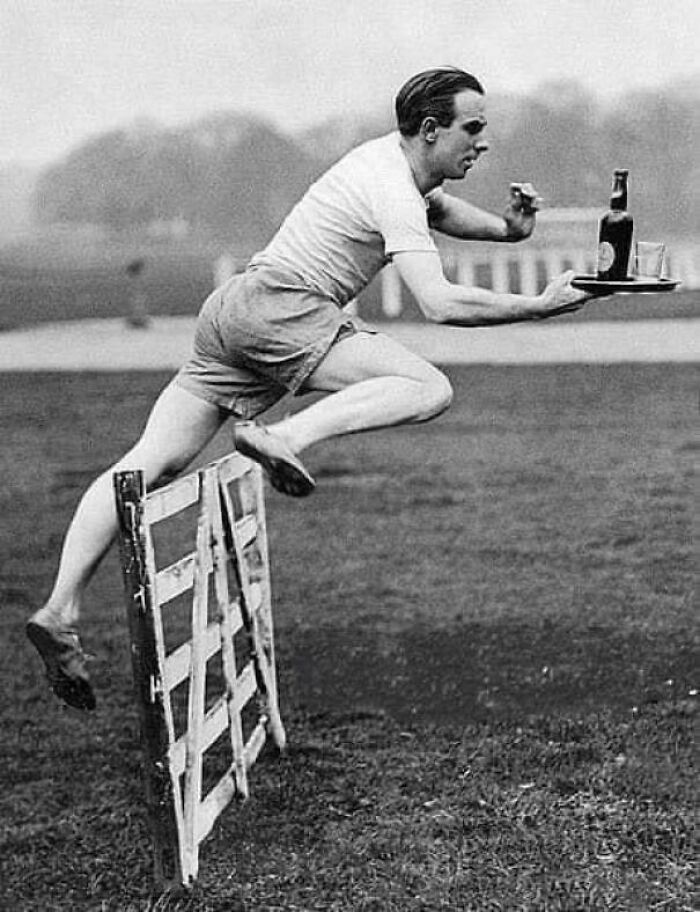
(431, 94)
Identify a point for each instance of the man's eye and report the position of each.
(474, 127)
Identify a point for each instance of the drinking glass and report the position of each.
(648, 259)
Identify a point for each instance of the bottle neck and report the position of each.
(618, 200)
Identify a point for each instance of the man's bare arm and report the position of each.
(464, 305)
(458, 218)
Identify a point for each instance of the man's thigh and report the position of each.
(363, 356)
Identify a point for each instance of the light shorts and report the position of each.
(258, 337)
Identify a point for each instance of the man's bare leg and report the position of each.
(179, 426)
(375, 382)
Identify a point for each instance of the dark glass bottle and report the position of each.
(615, 236)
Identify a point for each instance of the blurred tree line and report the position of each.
(228, 177)
(233, 177)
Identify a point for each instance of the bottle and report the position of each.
(615, 236)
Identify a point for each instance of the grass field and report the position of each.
(487, 649)
(43, 281)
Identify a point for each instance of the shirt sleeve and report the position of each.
(401, 216)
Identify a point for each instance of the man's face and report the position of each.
(457, 147)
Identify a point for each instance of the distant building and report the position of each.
(564, 239)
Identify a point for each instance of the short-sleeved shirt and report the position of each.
(365, 208)
(265, 331)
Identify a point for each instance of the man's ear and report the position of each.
(428, 129)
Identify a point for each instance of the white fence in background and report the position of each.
(527, 272)
(564, 239)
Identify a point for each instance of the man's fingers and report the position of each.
(563, 279)
(525, 197)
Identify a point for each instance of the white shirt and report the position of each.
(348, 224)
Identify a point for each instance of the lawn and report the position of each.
(487, 650)
(64, 280)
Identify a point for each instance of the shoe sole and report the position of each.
(286, 473)
(73, 688)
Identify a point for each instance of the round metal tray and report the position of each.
(632, 285)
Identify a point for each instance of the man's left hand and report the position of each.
(519, 215)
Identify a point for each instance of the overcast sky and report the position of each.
(73, 68)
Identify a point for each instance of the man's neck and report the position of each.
(420, 169)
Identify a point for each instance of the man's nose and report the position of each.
(481, 145)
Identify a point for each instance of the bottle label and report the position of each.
(606, 256)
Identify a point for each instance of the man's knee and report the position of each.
(159, 469)
(438, 395)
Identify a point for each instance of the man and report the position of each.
(280, 327)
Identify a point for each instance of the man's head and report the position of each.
(431, 94)
(441, 116)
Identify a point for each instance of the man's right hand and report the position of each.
(561, 297)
